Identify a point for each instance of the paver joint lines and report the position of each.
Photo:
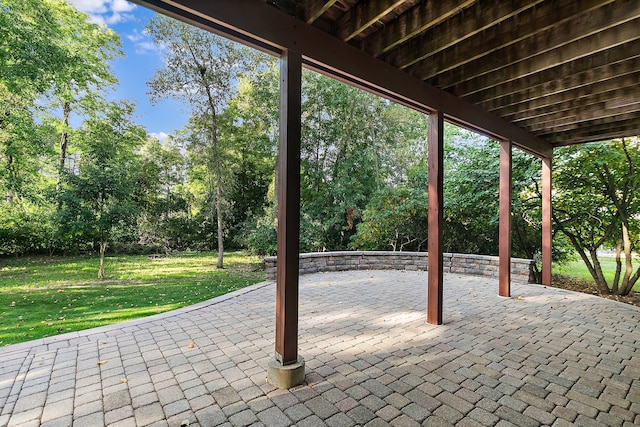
(550, 358)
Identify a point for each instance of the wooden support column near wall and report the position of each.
(434, 274)
(546, 220)
(504, 246)
(287, 370)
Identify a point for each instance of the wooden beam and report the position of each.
(621, 131)
(288, 208)
(474, 21)
(419, 18)
(504, 246)
(599, 131)
(602, 122)
(588, 116)
(434, 242)
(497, 92)
(257, 24)
(565, 101)
(316, 8)
(362, 15)
(485, 54)
(546, 221)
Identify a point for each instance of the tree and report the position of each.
(200, 69)
(396, 219)
(50, 56)
(165, 222)
(353, 144)
(29, 57)
(596, 204)
(81, 79)
(252, 133)
(100, 197)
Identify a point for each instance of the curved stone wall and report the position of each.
(481, 265)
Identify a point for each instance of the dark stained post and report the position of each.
(287, 370)
(434, 274)
(546, 221)
(504, 245)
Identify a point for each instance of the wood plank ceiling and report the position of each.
(566, 71)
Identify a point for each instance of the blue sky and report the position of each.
(142, 59)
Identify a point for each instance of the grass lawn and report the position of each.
(46, 296)
(578, 269)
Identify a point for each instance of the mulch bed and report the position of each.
(588, 287)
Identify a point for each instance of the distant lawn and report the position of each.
(578, 269)
(46, 296)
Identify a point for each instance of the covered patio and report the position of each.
(531, 74)
(544, 357)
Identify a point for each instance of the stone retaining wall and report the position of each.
(482, 265)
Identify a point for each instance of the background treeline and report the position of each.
(77, 174)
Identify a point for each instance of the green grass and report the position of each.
(578, 269)
(46, 296)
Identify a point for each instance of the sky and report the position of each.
(142, 59)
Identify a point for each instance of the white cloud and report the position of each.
(147, 47)
(105, 12)
(160, 136)
(90, 6)
(143, 43)
(122, 6)
(136, 36)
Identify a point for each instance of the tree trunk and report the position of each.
(627, 255)
(632, 282)
(103, 248)
(218, 174)
(616, 278)
(219, 215)
(520, 234)
(593, 265)
(64, 142)
(601, 282)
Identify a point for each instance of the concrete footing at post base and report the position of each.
(285, 376)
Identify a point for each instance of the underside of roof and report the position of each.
(542, 73)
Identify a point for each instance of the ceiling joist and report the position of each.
(579, 96)
(418, 19)
(362, 16)
(473, 22)
(316, 8)
(545, 50)
(620, 60)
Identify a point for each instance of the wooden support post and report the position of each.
(546, 220)
(288, 209)
(504, 245)
(436, 166)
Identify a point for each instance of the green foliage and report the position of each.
(99, 198)
(395, 219)
(364, 177)
(260, 235)
(165, 223)
(595, 206)
(25, 228)
(52, 59)
(199, 71)
(353, 144)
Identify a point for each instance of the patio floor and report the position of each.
(543, 357)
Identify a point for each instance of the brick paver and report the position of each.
(543, 357)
